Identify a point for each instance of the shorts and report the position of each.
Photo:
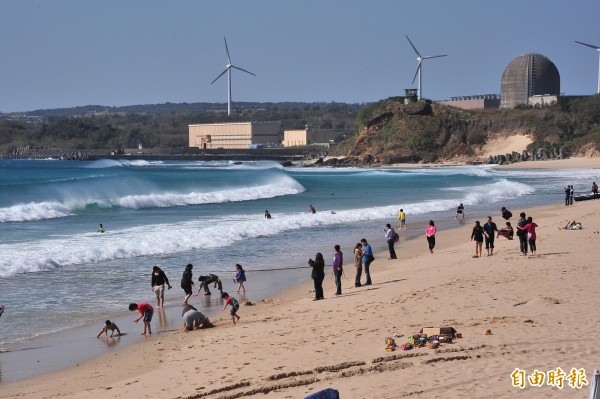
(192, 317)
(187, 290)
(234, 310)
(489, 243)
(402, 222)
(159, 290)
(148, 315)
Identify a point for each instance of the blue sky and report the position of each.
(66, 53)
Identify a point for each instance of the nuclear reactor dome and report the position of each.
(527, 76)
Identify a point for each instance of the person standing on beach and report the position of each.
(146, 311)
(477, 236)
(571, 194)
(367, 259)
(389, 237)
(529, 228)
(338, 270)
(489, 230)
(318, 275)
(522, 234)
(430, 233)
(358, 255)
(235, 305)
(187, 282)
(595, 190)
(240, 277)
(567, 195)
(402, 219)
(159, 279)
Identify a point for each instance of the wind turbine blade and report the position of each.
(243, 70)
(434, 56)
(416, 73)
(227, 49)
(222, 73)
(589, 45)
(413, 46)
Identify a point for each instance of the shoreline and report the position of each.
(298, 337)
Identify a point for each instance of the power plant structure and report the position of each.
(528, 80)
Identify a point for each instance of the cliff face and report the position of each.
(392, 132)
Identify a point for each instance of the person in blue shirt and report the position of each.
(367, 259)
(240, 277)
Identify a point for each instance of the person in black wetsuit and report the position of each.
(206, 280)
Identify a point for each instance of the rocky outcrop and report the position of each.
(538, 154)
(30, 152)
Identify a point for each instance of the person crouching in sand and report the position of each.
(146, 311)
(109, 325)
(235, 305)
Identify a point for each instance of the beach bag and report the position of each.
(396, 237)
(370, 258)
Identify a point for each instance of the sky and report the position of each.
(67, 53)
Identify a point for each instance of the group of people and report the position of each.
(526, 231)
(569, 194)
(363, 257)
(192, 318)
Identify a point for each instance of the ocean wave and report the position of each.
(34, 211)
(503, 189)
(278, 186)
(166, 239)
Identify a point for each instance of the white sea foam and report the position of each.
(164, 239)
(280, 185)
(33, 211)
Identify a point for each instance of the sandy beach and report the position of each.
(541, 312)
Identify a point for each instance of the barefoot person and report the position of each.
(477, 236)
(187, 283)
(159, 279)
(109, 325)
(367, 259)
(240, 277)
(489, 228)
(206, 280)
(146, 311)
(507, 232)
(235, 305)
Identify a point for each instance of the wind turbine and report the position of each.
(420, 59)
(597, 48)
(228, 70)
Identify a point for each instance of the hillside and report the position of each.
(392, 132)
(385, 132)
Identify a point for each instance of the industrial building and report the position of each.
(309, 136)
(478, 102)
(235, 135)
(529, 79)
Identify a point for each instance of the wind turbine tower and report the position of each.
(597, 48)
(228, 68)
(420, 59)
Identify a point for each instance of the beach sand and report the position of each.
(542, 313)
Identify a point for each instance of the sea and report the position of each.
(57, 272)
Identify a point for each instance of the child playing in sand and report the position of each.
(235, 305)
(109, 325)
(146, 311)
(240, 277)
